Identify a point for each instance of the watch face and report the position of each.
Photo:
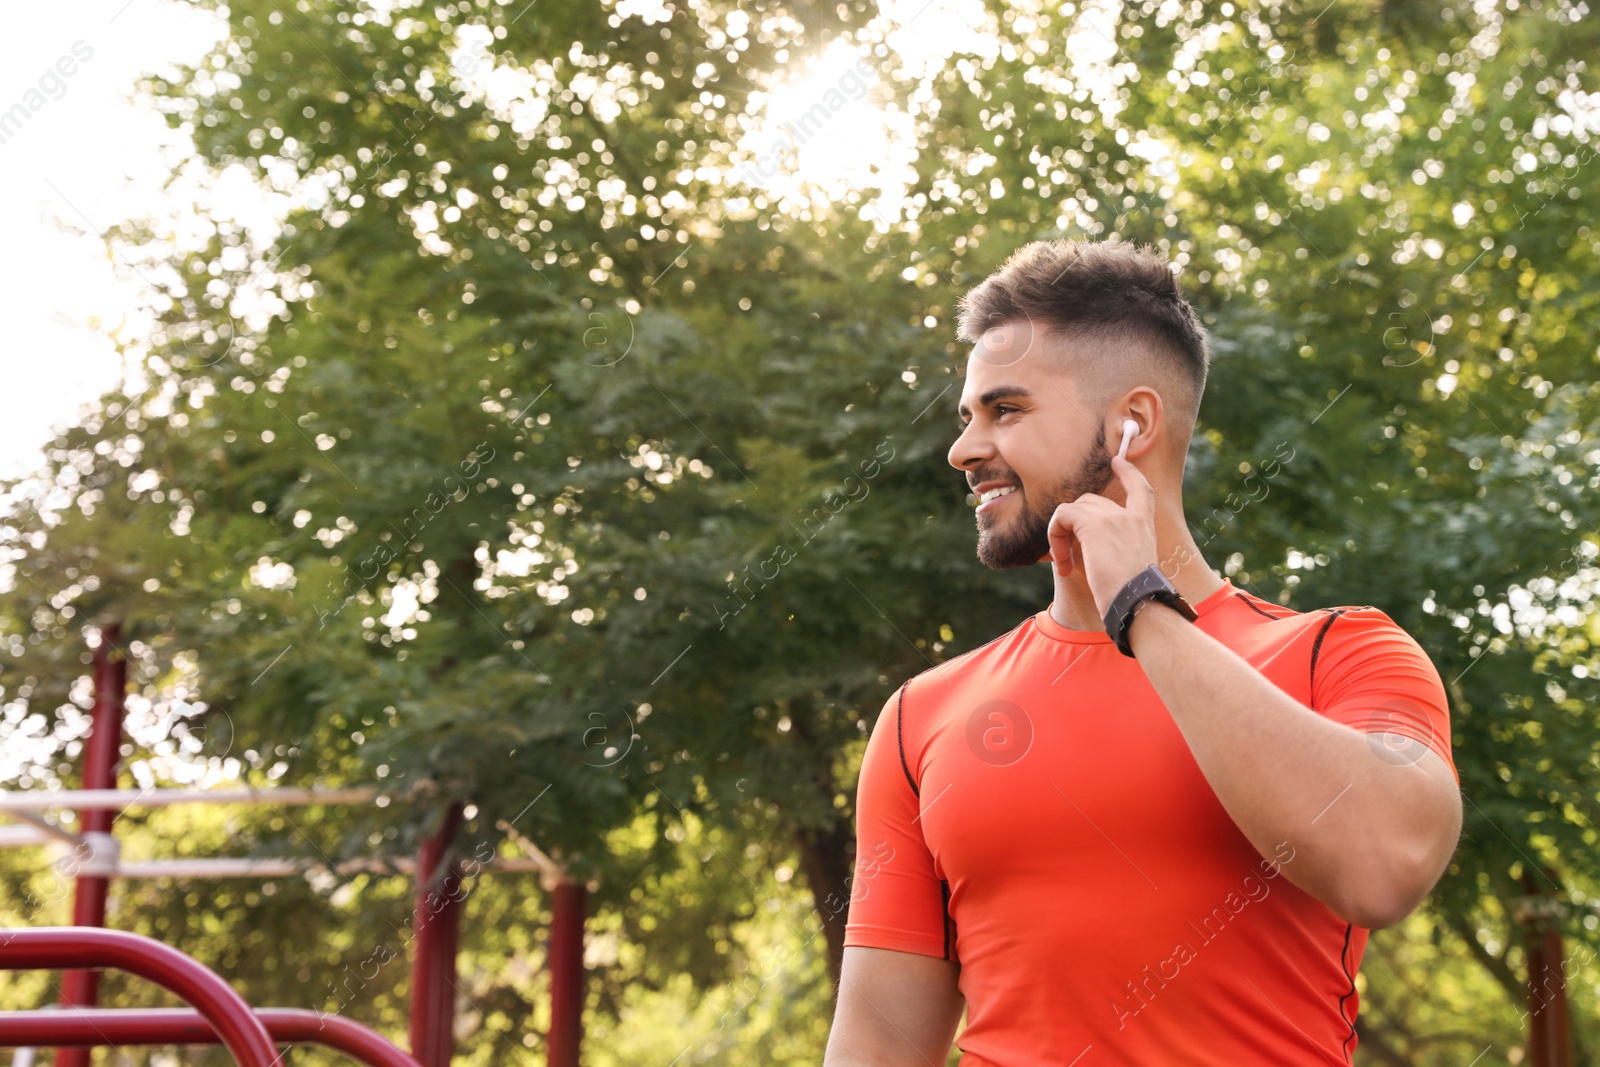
(1146, 583)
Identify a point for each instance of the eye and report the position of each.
(1000, 411)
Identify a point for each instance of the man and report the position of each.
(1153, 824)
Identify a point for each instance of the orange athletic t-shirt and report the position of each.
(1031, 810)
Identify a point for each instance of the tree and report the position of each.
(540, 461)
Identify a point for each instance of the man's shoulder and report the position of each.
(973, 659)
(1317, 635)
(1347, 617)
(1364, 631)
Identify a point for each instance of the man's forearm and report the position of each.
(1370, 836)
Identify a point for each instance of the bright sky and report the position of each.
(87, 157)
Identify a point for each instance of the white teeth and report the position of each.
(996, 493)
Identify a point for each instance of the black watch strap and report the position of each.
(1149, 583)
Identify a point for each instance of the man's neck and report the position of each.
(1177, 556)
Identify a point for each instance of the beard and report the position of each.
(1024, 539)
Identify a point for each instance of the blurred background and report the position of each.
(476, 402)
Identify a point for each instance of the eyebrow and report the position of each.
(999, 392)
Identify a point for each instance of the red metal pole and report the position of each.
(91, 1027)
(57, 947)
(567, 907)
(1549, 1025)
(99, 772)
(437, 929)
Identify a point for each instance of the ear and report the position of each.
(1141, 405)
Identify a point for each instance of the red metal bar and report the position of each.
(445, 961)
(56, 947)
(436, 927)
(88, 1027)
(82, 987)
(567, 907)
(1549, 1024)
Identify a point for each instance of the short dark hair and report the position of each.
(1096, 291)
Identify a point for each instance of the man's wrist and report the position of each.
(1147, 584)
(1150, 606)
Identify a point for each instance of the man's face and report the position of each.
(1029, 431)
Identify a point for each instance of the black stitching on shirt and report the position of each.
(1317, 646)
(1342, 954)
(949, 923)
(900, 737)
(1257, 609)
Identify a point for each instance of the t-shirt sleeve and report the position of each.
(896, 899)
(1369, 674)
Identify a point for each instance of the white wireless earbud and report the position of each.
(1129, 429)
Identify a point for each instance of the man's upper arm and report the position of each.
(898, 998)
(1369, 674)
(897, 899)
(895, 1009)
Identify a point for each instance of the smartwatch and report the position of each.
(1148, 584)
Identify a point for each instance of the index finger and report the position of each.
(1134, 483)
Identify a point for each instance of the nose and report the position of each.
(971, 449)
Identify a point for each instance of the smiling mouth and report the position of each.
(993, 497)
